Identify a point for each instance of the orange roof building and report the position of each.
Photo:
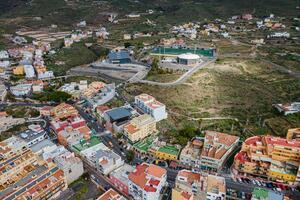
(140, 127)
(23, 176)
(111, 194)
(146, 181)
(217, 147)
(63, 111)
(270, 157)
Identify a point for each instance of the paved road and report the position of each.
(183, 78)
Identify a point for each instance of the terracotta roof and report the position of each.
(191, 176)
(148, 188)
(185, 195)
(221, 138)
(110, 194)
(3, 114)
(270, 140)
(130, 128)
(156, 171)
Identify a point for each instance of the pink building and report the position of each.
(119, 178)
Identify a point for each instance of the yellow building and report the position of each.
(19, 70)
(270, 157)
(140, 127)
(167, 152)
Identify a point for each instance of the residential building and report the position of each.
(37, 86)
(111, 194)
(115, 119)
(191, 154)
(22, 176)
(3, 92)
(293, 134)
(119, 57)
(167, 152)
(33, 135)
(217, 148)
(46, 75)
(216, 188)
(189, 186)
(63, 111)
(151, 106)
(264, 194)
(140, 127)
(93, 89)
(287, 109)
(70, 164)
(7, 122)
(46, 111)
(42, 147)
(102, 158)
(104, 95)
(69, 136)
(21, 90)
(119, 178)
(29, 71)
(146, 181)
(271, 158)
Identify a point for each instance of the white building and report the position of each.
(70, 164)
(104, 95)
(33, 135)
(4, 63)
(151, 106)
(188, 59)
(21, 90)
(4, 55)
(45, 75)
(287, 109)
(29, 71)
(146, 181)
(102, 158)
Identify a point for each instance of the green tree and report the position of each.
(130, 155)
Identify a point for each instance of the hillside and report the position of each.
(22, 13)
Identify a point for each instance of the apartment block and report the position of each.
(120, 179)
(216, 188)
(146, 181)
(23, 176)
(64, 111)
(270, 158)
(102, 158)
(191, 154)
(70, 164)
(217, 148)
(151, 106)
(140, 127)
(191, 185)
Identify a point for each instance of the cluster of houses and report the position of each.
(29, 61)
(94, 94)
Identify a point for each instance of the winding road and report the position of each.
(183, 78)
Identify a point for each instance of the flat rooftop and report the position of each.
(178, 51)
(144, 145)
(86, 144)
(169, 150)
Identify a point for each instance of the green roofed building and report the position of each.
(264, 194)
(144, 145)
(167, 152)
(174, 52)
(85, 144)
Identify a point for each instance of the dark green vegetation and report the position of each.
(78, 54)
(12, 131)
(52, 95)
(22, 111)
(84, 188)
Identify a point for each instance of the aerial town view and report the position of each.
(150, 99)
